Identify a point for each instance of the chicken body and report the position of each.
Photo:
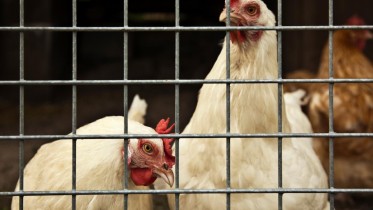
(353, 111)
(253, 109)
(99, 166)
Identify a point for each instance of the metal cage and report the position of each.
(125, 29)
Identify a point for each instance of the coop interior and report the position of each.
(151, 56)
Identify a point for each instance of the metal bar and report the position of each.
(228, 104)
(181, 28)
(231, 135)
(279, 99)
(189, 191)
(331, 114)
(179, 81)
(74, 102)
(125, 101)
(21, 148)
(177, 101)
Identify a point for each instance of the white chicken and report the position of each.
(299, 122)
(100, 165)
(253, 107)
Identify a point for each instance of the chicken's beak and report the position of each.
(165, 173)
(234, 16)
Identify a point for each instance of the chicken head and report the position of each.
(247, 13)
(359, 37)
(149, 159)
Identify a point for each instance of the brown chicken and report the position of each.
(353, 109)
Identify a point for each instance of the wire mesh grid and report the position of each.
(177, 82)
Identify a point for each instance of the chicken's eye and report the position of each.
(252, 10)
(147, 148)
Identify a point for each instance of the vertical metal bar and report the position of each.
(177, 99)
(125, 100)
(21, 149)
(331, 113)
(74, 103)
(279, 108)
(228, 107)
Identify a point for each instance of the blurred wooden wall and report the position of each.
(302, 49)
(46, 51)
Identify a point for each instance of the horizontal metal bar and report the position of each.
(182, 81)
(186, 191)
(178, 28)
(231, 135)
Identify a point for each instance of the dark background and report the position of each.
(48, 56)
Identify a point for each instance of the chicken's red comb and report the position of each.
(355, 21)
(167, 142)
(233, 3)
(162, 126)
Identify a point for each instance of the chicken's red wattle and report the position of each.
(142, 176)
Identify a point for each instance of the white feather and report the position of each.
(137, 110)
(299, 122)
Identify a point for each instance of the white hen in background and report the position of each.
(299, 122)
